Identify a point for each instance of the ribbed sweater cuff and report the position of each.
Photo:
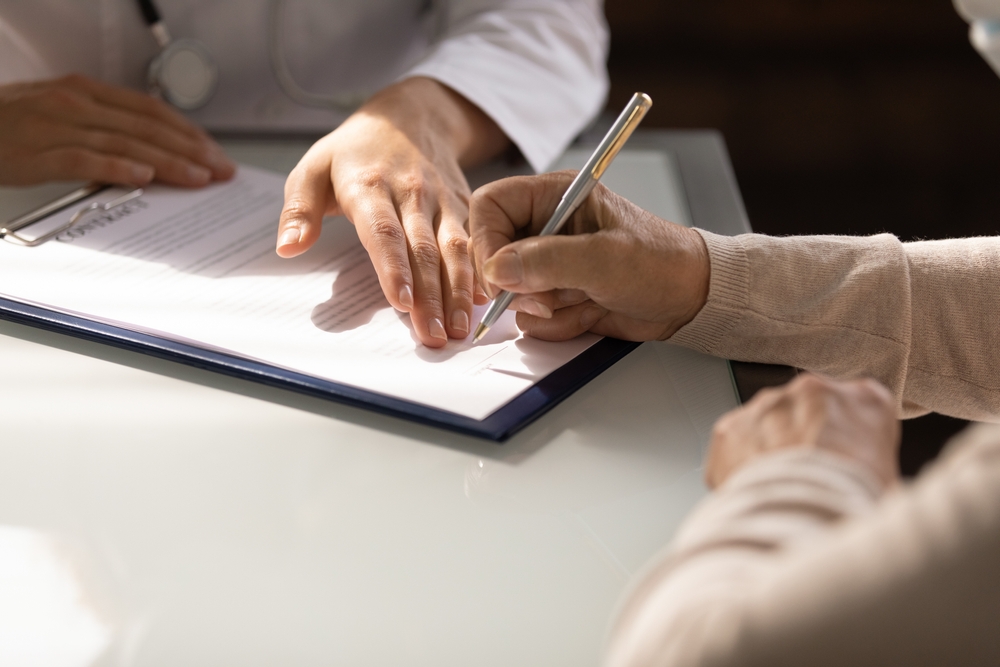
(727, 294)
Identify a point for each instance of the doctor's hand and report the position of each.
(76, 128)
(855, 419)
(394, 170)
(616, 270)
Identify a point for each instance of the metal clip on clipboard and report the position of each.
(9, 232)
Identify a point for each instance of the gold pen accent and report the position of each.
(623, 135)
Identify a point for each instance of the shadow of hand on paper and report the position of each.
(533, 355)
(355, 298)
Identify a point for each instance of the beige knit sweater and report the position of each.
(802, 558)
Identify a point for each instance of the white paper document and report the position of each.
(199, 266)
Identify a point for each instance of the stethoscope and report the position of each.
(185, 74)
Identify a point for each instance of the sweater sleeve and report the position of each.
(794, 562)
(536, 67)
(923, 318)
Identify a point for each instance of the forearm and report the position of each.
(953, 365)
(919, 317)
(791, 562)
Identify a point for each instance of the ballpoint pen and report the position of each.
(579, 190)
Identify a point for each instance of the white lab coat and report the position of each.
(535, 66)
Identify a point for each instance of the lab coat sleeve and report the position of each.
(536, 67)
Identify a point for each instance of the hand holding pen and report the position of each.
(620, 271)
(579, 190)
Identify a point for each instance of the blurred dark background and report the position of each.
(841, 116)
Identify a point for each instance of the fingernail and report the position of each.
(142, 173)
(590, 316)
(197, 174)
(504, 269)
(289, 237)
(436, 329)
(406, 296)
(460, 322)
(536, 308)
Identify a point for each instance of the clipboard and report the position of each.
(499, 426)
(713, 202)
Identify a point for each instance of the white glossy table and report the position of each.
(154, 514)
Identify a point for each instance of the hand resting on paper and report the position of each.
(855, 419)
(394, 170)
(76, 128)
(617, 270)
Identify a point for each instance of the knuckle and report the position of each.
(768, 394)
(411, 182)
(60, 98)
(369, 179)
(454, 246)
(411, 191)
(387, 231)
(722, 426)
(462, 293)
(297, 208)
(425, 253)
(718, 431)
(479, 197)
(810, 384)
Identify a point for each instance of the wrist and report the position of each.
(436, 117)
(728, 294)
(698, 275)
(689, 278)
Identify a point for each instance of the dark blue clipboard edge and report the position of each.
(510, 418)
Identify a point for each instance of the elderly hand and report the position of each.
(393, 168)
(620, 271)
(855, 419)
(76, 128)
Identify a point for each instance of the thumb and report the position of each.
(308, 191)
(543, 263)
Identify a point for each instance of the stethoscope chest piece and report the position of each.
(184, 74)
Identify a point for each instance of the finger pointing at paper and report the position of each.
(394, 170)
(618, 270)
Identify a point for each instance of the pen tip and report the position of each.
(480, 332)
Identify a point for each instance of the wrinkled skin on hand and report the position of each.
(616, 270)
(76, 128)
(394, 170)
(855, 419)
